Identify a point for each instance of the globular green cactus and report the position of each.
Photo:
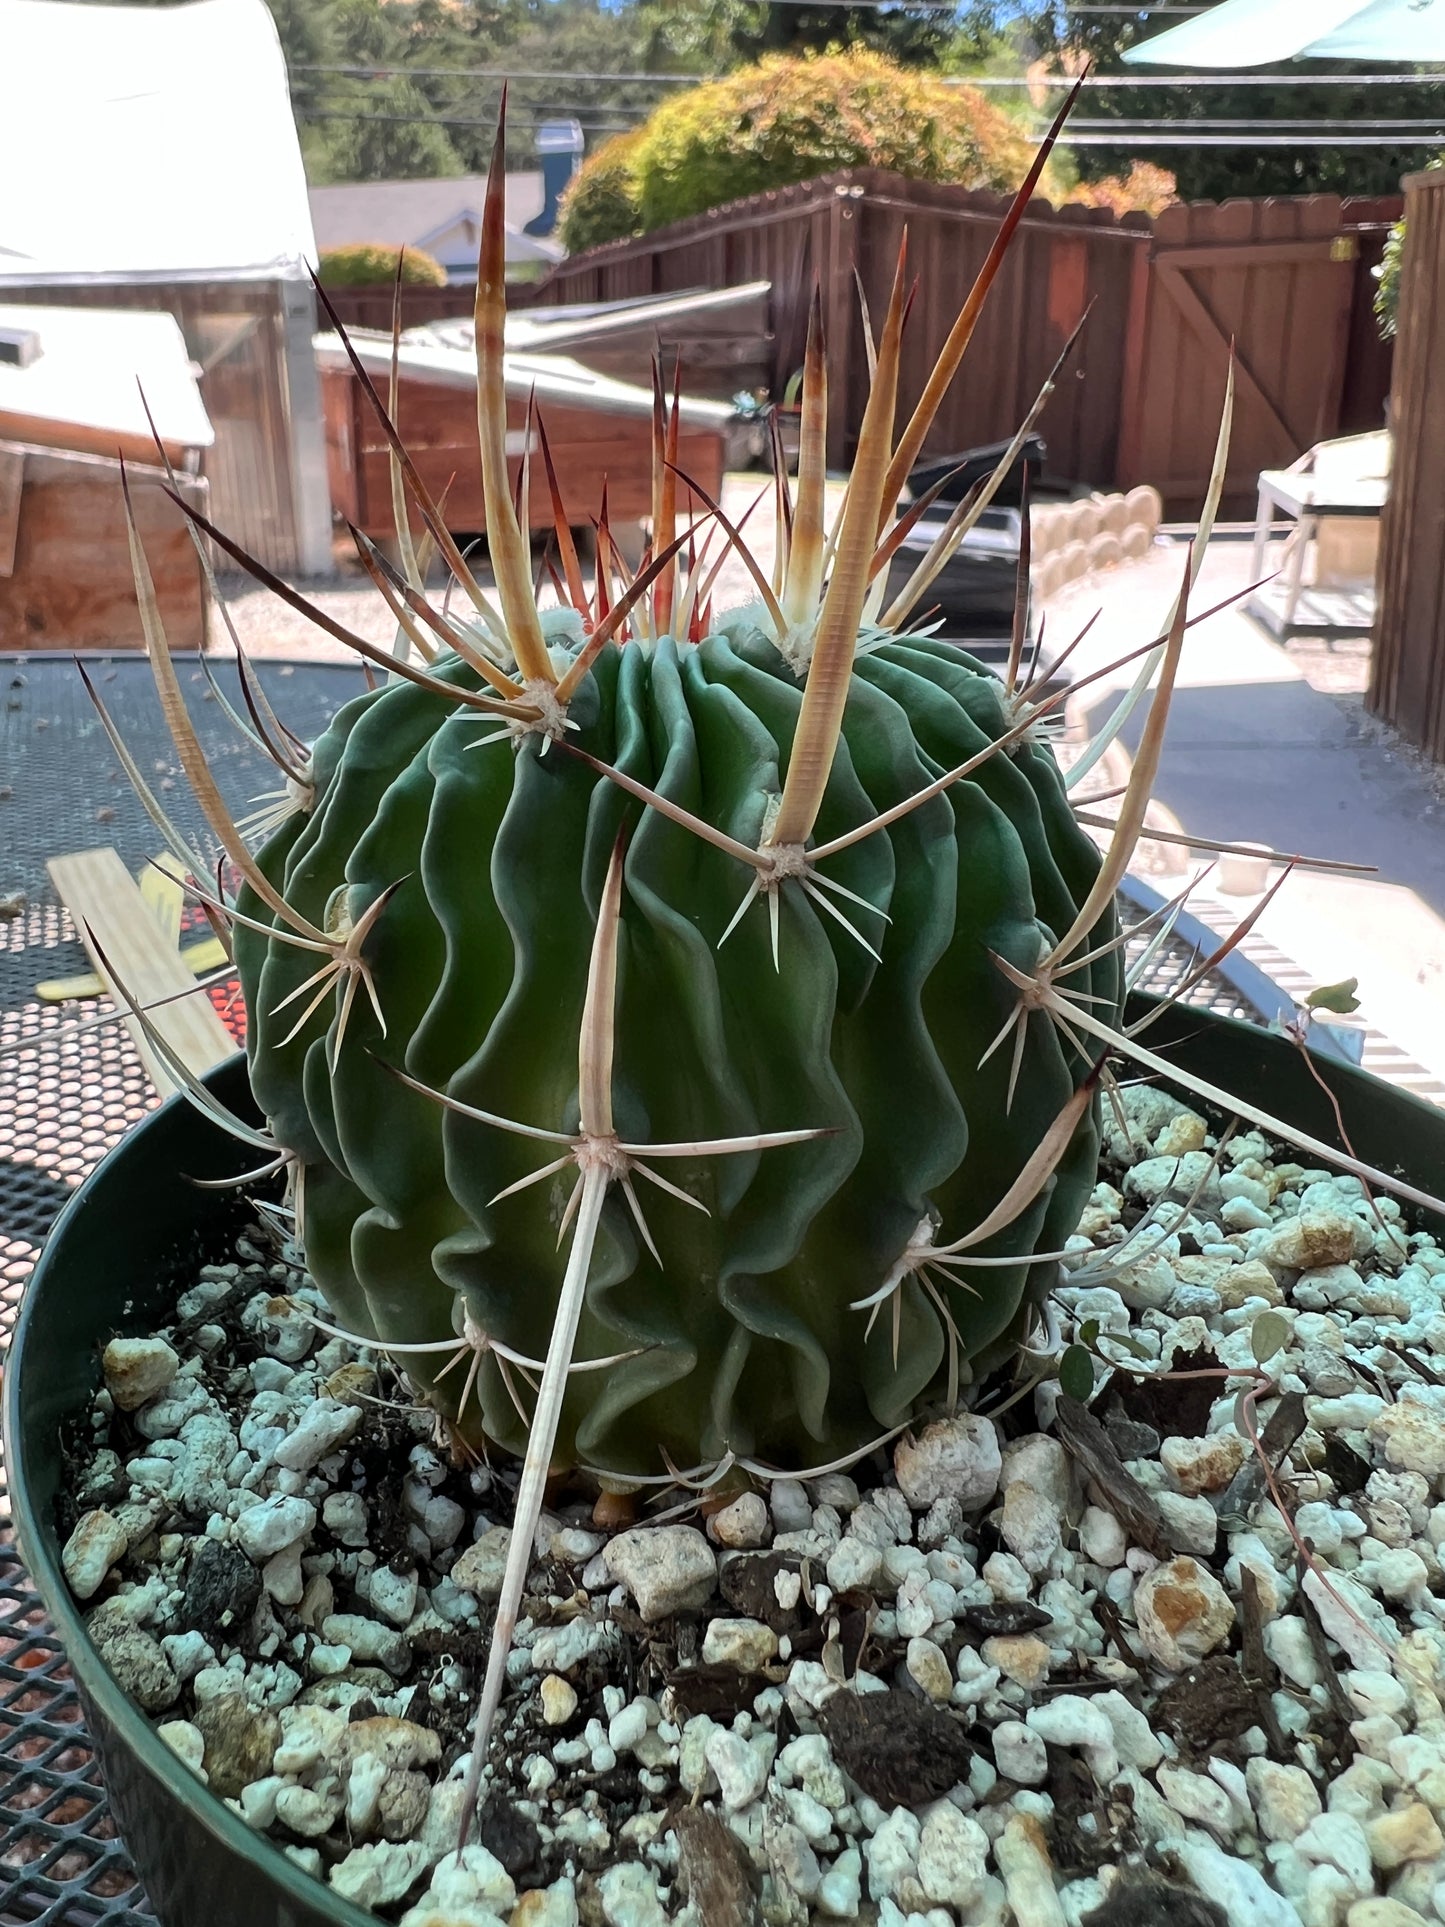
(816, 937)
(493, 862)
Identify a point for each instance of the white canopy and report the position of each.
(147, 143)
(1253, 33)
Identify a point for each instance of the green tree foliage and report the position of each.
(787, 120)
(1206, 173)
(391, 137)
(426, 81)
(721, 33)
(1387, 275)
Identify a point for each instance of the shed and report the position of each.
(599, 429)
(71, 386)
(82, 379)
(719, 338)
(178, 186)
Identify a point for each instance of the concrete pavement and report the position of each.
(1254, 754)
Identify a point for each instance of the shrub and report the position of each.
(788, 120)
(600, 203)
(1145, 189)
(1387, 275)
(368, 264)
(792, 119)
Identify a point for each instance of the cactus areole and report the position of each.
(741, 1325)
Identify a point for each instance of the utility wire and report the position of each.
(500, 73)
(878, 6)
(448, 120)
(1182, 139)
(1410, 130)
(1295, 79)
(1099, 133)
(1383, 128)
(1120, 128)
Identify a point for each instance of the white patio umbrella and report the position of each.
(1255, 33)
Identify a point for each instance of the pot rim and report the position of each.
(38, 1544)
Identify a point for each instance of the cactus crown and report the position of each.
(758, 958)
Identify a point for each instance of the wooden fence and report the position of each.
(1288, 280)
(1287, 284)
(372, 307)
(1407, 671)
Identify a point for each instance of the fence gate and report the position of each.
(1277, 279)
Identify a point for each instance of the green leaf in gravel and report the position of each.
(1128, 1343)
(1076, 1374)
(1268, 1334)
(1089, 1332)
(1340, 998)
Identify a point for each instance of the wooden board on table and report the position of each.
(111, 917)
(164, 897)
(207, 953)
(12, 482)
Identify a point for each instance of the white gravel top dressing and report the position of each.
(1053, 1668)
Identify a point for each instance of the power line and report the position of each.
(1295, 79)
(446, 120)
(1183, 139)
(877, 6)
(500, 73)
(1214, 80)
(1383, 128)
(1095, 133)
(586, 112)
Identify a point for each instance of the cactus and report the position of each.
(839, 843)
(761, 959)
(489, 864)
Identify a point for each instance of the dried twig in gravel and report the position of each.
(1087, 1442)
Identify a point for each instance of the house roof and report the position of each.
(417, 213)
(80, 380)
(147, 142)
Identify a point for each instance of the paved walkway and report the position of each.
(1253, 753)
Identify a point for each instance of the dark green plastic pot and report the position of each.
(112, 1264)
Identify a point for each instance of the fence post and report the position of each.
(1407, 670)
(1127, 465)
(839, 296)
